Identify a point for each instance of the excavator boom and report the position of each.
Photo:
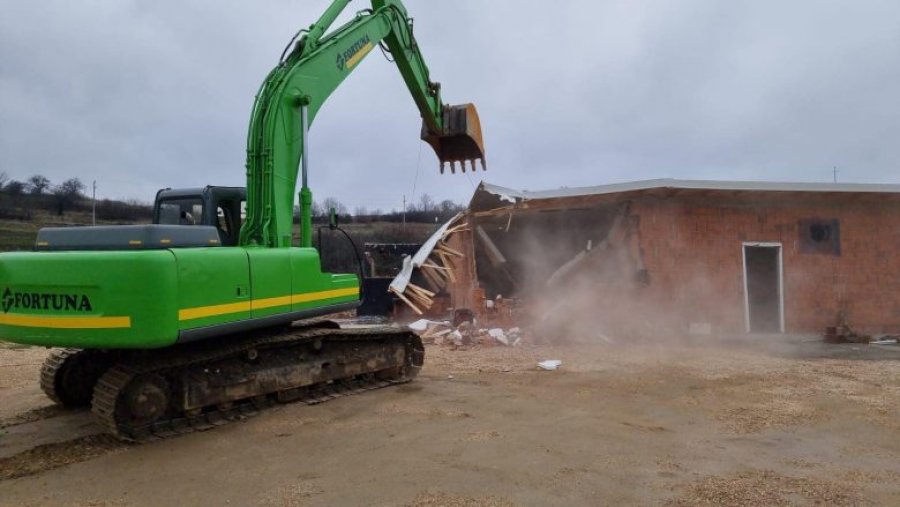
(294, 91)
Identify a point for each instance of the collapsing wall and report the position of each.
(550, 268)
(663, 261)
(538, 266)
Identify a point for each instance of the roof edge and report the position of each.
(509, 194)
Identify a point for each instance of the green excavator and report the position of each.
(211, 313)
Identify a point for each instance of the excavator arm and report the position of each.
(295, 90)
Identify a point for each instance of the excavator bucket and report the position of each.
(461, 140)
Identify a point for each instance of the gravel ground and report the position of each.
(767, 421)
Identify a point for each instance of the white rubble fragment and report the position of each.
(549, 364)
(498, 334)
(400, 282)
(456, 337)
(420, 325)
(517, 342)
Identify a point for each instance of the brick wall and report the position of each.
(691, 245)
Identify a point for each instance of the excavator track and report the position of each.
(68, 375)
(197, 387)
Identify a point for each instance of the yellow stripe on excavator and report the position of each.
(363, 51)
(65, 322)
(262, 303)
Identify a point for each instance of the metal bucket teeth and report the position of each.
(461, 139)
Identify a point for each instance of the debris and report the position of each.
(886, 340)
(433, 260)
(498, 335)
(420, 325)
(843, 333)
(463, 315)
(612, 240)
(465, 333)
(549, 364)
(494, 255)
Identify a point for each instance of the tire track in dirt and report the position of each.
(34, 415)
(50, 456)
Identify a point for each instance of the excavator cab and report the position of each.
(219, 207)
(460, 140)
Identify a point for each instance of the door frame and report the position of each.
(763, 244)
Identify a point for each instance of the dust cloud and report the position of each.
(593, 287)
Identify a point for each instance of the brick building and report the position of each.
(686, 256)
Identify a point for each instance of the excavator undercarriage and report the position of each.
(141, 395)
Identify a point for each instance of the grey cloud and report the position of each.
(142, 95)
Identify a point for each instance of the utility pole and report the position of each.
(94, 204)
(403, 226)
(835, 173)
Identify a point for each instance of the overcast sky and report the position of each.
(144, 95)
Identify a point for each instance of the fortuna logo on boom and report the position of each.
(349, 57)
(41, 301)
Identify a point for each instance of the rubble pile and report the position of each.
(466, 333)
(434, 261)
(843, 333)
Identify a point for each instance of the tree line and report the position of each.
(427, 210)
(20, 199)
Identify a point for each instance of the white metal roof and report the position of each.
(669, 183)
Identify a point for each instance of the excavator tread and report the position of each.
(52, 364)
(112, 385)
(67, 375)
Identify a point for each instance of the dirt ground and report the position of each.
(764, 421)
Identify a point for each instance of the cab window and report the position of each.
(188, 211)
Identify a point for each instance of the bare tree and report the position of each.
(3, 179)
(15, 188)
(360, 211)
(426, 203)
(317, 210)
(67, 193)
(37, 184)
(448, 207)
(332, 203)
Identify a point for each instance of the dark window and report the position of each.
(822, 236)
(186, 211)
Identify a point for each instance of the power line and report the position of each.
(416, 179)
